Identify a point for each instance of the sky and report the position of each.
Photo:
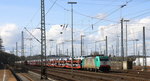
(93, 18)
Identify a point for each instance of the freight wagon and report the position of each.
(96, 63)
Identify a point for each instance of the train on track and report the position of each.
(96, 63)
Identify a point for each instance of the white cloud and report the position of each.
(9, 34)
(135, 31)
(145, 20)
(100, 16)
(54, 31)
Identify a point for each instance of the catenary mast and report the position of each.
(43, 42)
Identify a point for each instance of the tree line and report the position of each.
(7, 58)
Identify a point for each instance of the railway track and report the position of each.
(24, 77)
(130, 73)
(78, 75)
(112, 76)
(137, 74)
(55, 76)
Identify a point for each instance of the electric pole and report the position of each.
(50, 52)
(117, 46)
(43, 42)
(138, 58)
(72, 3)
(136, 40)
(67, 52)
(30, 39)
(100, 49)
(122, 49)
(81, 45)
(112, 51)
(95, 46)
(56, 50)
(22, 46)
(144, 50)
(106, 47)
(16, 49)
(59, 50)
(63, 48)
(126, 38)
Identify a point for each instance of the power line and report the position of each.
(32, 17)
(98, 30)
(51, 7)
(100, 4)
(109, 14)
(137, 12)
(115, 10)
(48, 11)
(139, 15)
(32, 35)
(83, 14)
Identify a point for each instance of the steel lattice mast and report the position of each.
(43, 42)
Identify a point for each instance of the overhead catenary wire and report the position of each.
(82, 14)
(48, 10)
(112, 12)
(98, 30)
(140, 15)
(138, 12)
(77, 12)
(122, 6)
(99, 4)
(145, 10)
(92, 25)
(107, 16)
(116, 33)
(32, 35)
(32, 18)
(51, 7)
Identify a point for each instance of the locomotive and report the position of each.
(96, 63)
